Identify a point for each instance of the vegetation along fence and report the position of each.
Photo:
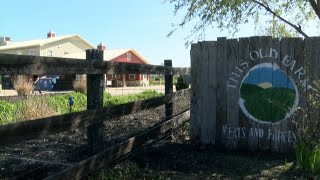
(36, 133)
(246, 91)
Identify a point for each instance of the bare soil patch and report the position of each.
(176, 158)
(42, 157)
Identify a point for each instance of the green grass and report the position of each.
(269, 104)
(308, 158)
(60, 103)
(115, 100)
(7, 112)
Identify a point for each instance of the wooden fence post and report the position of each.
(168, 78)
(95, 88)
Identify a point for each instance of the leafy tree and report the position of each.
(228, 14)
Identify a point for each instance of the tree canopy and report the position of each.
(229, 14)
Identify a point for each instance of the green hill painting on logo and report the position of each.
(270, 104)
(267, 94)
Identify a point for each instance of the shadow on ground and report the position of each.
(183, 161)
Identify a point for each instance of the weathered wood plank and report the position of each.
(21, 64)
(212, 91)
(222, 78)
(205, 134)
(254, 126)
(243, 67)
(17, 132)
(98, 161)
(195, 117)
(274, 145)
(265, 45)
(312, 49)
(287, 49)
(233, 84)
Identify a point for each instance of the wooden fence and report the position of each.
(245, 91)
(96, 114)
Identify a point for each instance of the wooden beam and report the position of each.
(168, 80)
(22, 131)
(95, 87)
(21, 64)
(84, 168)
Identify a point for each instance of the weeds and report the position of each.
(39, 107)
(308, 158)
(23, 85)
(307, 123)
(34, 108)
(7, 112)
(80, 86)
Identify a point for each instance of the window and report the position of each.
(19, 52)
(129, 56)
(132, 76)
(50, 53)
(31, 52)
(115, 75)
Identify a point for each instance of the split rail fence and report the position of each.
(92, 119)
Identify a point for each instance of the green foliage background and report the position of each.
(60, 103)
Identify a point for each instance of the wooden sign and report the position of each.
(245, 91)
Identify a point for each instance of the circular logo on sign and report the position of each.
(267, 94)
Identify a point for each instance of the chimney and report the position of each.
(51, 34)
(101, 46)
(5, 41)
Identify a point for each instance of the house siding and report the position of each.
(138, 81)
(123, 58)
(63, 47)
(24, 50)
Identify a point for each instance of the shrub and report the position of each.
(180, 84)
(23, 85)
(307, 123)
(80, 86)
(34, 108)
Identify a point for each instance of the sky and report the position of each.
(139, 24)
(263, 75)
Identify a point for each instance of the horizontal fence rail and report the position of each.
(22, 64)
(93, 163)
(17, 132)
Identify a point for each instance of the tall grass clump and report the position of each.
(34, 108)
(80, 86)
(308, 158)
(23, 85)
(307, 123)
(7, 112)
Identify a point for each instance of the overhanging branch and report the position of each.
(315, 7)
(297, 28)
